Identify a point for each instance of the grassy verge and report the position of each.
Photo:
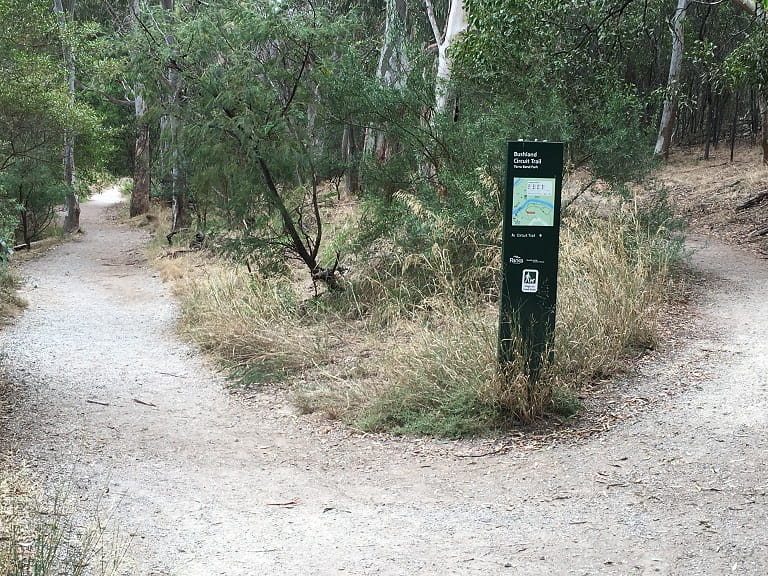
(43, 539)
(10, 302)
(407, 348)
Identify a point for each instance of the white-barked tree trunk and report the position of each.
(667, 125)
(456, 24)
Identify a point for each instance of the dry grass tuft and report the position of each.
(10, 302)
(16, 502)
(610, 297)
(437, 371)
(253, 325)
(42, 539)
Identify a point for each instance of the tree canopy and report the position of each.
(248, 109)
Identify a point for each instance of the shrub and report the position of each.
(443, 375)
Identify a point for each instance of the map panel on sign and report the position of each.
(533, 202)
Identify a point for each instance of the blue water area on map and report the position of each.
(531, 201)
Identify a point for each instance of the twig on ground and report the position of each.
(144, 403)
(98, 402)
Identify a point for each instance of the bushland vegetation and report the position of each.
(340, 163)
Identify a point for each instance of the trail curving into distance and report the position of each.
(132, 420)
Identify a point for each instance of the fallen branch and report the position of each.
(175, 253)
(32, 245)
(584, 188)
(758, 233)
(290, 504)
(754, 201)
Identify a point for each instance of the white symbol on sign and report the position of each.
(530, 281)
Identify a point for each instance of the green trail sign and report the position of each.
(531, 236)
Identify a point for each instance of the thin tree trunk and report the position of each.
(710, 121)
(349, 155)
(142, 164)
(734, 123)
(667, 125)
(392, 71)
(764, 124)
(760, 12)
(170, 127)
(142, 171)
(72, 203)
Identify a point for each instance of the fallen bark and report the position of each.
(754, 201)
(758, 233)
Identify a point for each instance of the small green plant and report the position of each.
(35, 192)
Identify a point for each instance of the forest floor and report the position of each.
(107, 401)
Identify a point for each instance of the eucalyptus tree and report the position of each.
(758, 59)
(675, 65)
(392, 70)
(142, 157)
(712, 58)
(64, 19)
(445, 39)
(172, 84)
(36, 105)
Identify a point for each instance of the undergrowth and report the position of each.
(255, 326)
(10, 302)
(43, 539)
(410, 345)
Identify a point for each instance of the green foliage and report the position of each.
(35, 192)
(748, 63)
(35, 111)
(519, 66)
(252, 121)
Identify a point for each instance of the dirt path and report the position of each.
(206, 485)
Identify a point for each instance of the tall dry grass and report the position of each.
(443, 374)
(42, 538)
(255, 326)
(410, 346)
(10, 301)
(613, 282)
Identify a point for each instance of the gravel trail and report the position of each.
(206, 484)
